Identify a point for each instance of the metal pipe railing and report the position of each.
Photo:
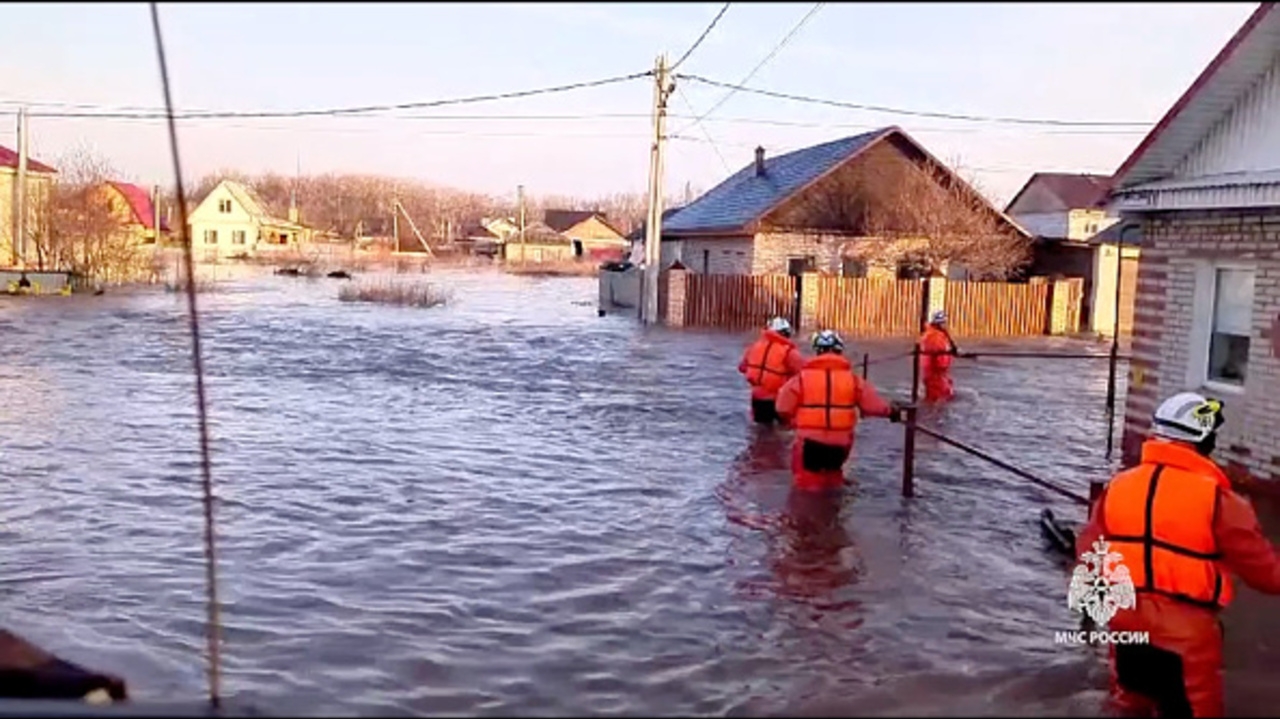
(1042, 355)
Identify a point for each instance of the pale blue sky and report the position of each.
(1099, 62)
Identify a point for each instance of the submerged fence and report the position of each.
(866, 307)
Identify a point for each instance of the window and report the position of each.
(800, 265)
(1230, 326)
(853, 268)
(237, 237)
(211, 237)
(224, 206)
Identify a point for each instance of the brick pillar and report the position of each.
(677, 284)
(937, 294)
(809, 301)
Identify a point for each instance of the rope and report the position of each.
(213, 625)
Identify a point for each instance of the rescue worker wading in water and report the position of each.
(936, 352)
(822, 403)
(1181, 532)
(768, 364)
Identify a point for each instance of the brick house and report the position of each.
(806, 211)
(1203, 187)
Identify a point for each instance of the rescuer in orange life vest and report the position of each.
(822, 403)
(767, 364)
(1181, 532)
(936, 352)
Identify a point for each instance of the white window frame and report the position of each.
(1202, 307)
(224, 206)
(210, 237)
(239, 237)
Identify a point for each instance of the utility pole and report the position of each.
(155, 213)
(395, 221)
(662, 89)
(520, 201)
(20, 202)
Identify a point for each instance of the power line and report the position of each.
(781, 43)
(363, 110)
(705, 132)
(701, 37)
(913, 113)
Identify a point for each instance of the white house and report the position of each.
(1205, 189)
(230, 222)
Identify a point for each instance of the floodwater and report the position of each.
(510, 506)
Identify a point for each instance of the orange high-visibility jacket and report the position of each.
(768, 363)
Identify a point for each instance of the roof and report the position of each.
(140, 204)
(254, 206)
(745, 198)
(9, 158)
(1075, 191)
(1246, 58)
(540, 234)
(564, 220)
(478, 231)
(1124, 232)
(638, 233)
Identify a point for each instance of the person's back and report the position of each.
(822, 403)
(767, 364)
(936, 352)
(1181, 532)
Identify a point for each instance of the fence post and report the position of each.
(925, 292)
(673, 309)
(909, 453)
(809, 299)
(1095, 490)
(866, 364)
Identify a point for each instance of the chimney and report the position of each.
(759, 162)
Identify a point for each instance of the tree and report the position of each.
(86, 231)
(904, 208)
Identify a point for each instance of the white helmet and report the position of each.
(781, 326)
(827, 341)
(1187, 417)
(938, 318)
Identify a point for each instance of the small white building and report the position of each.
(231, 222)
(1205, 189)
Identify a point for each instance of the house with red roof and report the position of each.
(1204, 188)
(1067, 215)
(137, 209)
(38, 186)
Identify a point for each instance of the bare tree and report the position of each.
(906, 209)
(87, 229)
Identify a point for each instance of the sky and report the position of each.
(1104, 62)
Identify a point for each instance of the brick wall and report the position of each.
(728, 256)
(773, 249)
(1174, 245)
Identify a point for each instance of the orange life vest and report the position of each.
(829, 394)
(1160, 519)
(767, 361)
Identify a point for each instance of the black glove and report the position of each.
(895, 412)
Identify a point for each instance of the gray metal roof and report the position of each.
(745, 197)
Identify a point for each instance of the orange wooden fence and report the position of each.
(737, 302)
(868, 307)
(997, 309)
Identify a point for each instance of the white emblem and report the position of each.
(1101, 585)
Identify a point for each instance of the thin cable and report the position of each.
(705, 132)
(361, 110)
(701, 37)
(781, 44)
(213, 624)
(739, 87)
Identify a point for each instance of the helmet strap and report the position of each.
(1206, 446)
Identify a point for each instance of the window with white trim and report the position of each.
(1230, 326)
(211, 237)
(237, 237)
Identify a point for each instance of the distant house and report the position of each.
(635, 238)
(540, 243)
(136, 210)
(503, 227)
(589, 232)
(39, 184)
(1064, 212)
(1204, 188)
(231, 222)
(476, 239)
(809, 211)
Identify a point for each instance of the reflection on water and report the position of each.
(511, 505)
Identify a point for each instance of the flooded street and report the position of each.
(510, 506)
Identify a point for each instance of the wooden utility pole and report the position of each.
(395, 221)
(20, 201)
(663, 86)
(155, 213)
(520, 201)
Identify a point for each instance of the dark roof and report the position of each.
(140, 204)
(478, 231)
(745, 197)
(564, 220)
(541, 234)
(1075, 191)
(1246, 57)
(9, 158)
(638, 233)
(1123, 232)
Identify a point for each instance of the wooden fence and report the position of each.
(997, 309)
(870, 307)
(737, 302)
